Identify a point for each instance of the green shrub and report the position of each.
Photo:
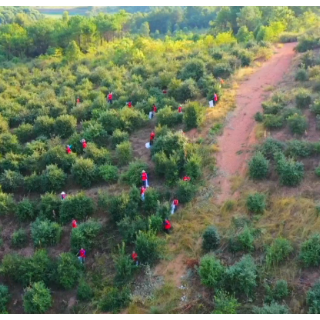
(225, 304)
(243, 241)
(313, 298)
(193, 167)
(11, 180)
(155, 223)
(119, 136)
(57, 155)
(133, 175)
(78, 206)
(273, 308)
(84, 172)
(12, 161)
(99, 156)
(241, 277)
(124, 153)
(222, 70)
(256, 202)
(270, 147)
(109, 173)
(291, 172)
(298, 148)
(85, 235)
(258, 166)
(315, 108)
(19, 239)
(301, 75)
(210, 239)
(113, 299)
(131, 118)
(37, 298)
(278, 292)
(167, 167)
(297, 124)
(303, 98)
(54, 179)
(310, 251)
(45, 233)
(44, 125)
(272, 121)
(148, 247)
(49, 202)
(258, 117)
(287, 37)
(186, 191)
(124, 265)
(68, 270)
(193, 115)
(4, 298)
(168, 117)
(317, 171)
(84, 292)
(26, 210)
(194, 69)
(110, 120)
(211, 271)
(129, 227)
(7, 204)
(151, 202)
(65, 125)
(278, 252)
(25, 132)
(3, 125)
(272, 107)
(8, 143)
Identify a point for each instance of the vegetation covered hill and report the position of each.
(54, 81)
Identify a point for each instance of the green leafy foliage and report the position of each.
(168, 117)
(258, 166)
(65, 125)
(19, 238)
(45, 233)
(84, 172)
(54, 179)
(49, 206)
(119, 136)
(37, 298)
(211, 271)
(310, 251)
(273, 308)
(26, 210)
(11, 180)
(7, 204)
(133, 175)
(186, 191)
(256, 203)
(278, 252)
(303, 98)
(84, 292)
(124, 152)
(225, 304)
(301, 75)
(4, 298)
(193, 115)
(313, 298)
(210, 239)
(113, 299)
(244, 241)
(109, 173)
(278, 292)
(78, 206)
(297, 124)
(85, 235)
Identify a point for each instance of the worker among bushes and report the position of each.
(142, 192)
(144, 177)
(63, 195)
(154, 109)
(180, 109)
(129, 104)
(84, 144)
(215, 99)
(110, 97)
(82, 255)
(74, 223)
(134, 257)
(152, 136)
(167, 226)
(78, 100)
(186, 178)
(174, 206)
(164, 91)
(68, 149)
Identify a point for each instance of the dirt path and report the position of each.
(239, 136)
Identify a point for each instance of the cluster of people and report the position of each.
(82, 141)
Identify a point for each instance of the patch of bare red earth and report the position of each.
(238, 137)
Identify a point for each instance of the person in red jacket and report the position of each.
(129, 104)
(152, 136)
(167, 226)
(174, 206)
(78, 100)
(134, 257)
(63, 195)
(110, 97)
(186, 178)
(164, 91)
(84, 143)
(215, 99)
(74, 223)
(68, 149)
(180, 109)
(142, 192)
(82, 255)
(144, 178)
(154, 109)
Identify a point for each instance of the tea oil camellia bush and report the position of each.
(151, 201)
(65, 125)
(119, 136)
(133, 175)
(19, 238)
(297, 124)
(210, 239)
(124, 152)
(78, 206)
(37, 298)
(186, 191)
(7, 203)
(84, 292)
(84, 172)
(54, 178)
(114, 298)
(313, 298)
(109, 173)
(193, 115)
(225, 303)
(310, 251)
(278, 252)
(68, 270)
(4, 298)
(45, 233)
(258, 167)
(273, 308)
(211, 271)
(303, 98)
(11, 181)
(49, 203)
(256, 203)
(26, 210)
(85, 235)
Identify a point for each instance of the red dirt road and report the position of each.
(239, 136)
